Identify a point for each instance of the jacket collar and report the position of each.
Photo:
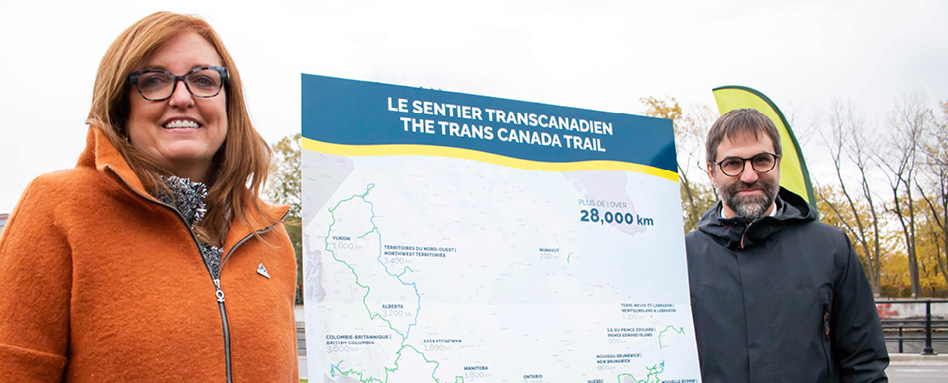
(737, 232)
(102, 155)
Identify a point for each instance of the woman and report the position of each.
(154, 258)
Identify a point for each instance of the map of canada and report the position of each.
(430, 269)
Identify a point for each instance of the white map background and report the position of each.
(493, 278)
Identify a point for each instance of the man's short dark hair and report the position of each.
(738, 122)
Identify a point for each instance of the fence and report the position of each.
(916, 318)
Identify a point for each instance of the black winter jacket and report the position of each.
(781, 299)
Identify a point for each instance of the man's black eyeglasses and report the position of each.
(761, 163)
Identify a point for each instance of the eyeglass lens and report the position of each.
(761, 163)
(159, 84)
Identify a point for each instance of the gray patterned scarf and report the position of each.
(188, 198)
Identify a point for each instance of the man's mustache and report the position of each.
(748, 186)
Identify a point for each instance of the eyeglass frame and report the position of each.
(744, 163)
(225, 81)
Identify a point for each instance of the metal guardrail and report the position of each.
(927, 325)
(300, 339)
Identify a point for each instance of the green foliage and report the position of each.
(284, 188)
(285, 175)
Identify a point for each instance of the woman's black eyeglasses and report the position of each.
(158, 84)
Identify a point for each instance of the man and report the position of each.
(776, 295)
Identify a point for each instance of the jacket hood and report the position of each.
(102, 156)
(736, 233)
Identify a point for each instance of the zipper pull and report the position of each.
(220, 293)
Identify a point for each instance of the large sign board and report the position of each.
(458, 238)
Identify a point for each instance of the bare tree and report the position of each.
(935, 162)
(846, 137)
(907, 125)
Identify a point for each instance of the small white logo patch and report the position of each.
(263, 271)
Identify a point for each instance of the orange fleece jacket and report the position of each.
(102, 283)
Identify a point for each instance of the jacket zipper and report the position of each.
(824, 340)
(224, 326)
(744, 234)
(219, 292)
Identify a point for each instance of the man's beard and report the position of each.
(753, 206)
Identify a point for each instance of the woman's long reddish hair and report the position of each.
(239, 168)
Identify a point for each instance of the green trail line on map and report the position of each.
(427, 361)
(405, 270)
(388, 371)
(658, 368)
(680, 331)
(652, 373)
(351, 372)
(351, 269)
(366, 234)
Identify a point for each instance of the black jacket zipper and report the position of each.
(219, 293)
(825, 340)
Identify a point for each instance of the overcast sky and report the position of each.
(601, 55)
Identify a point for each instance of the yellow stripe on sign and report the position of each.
(794, 175)
(474, 155)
